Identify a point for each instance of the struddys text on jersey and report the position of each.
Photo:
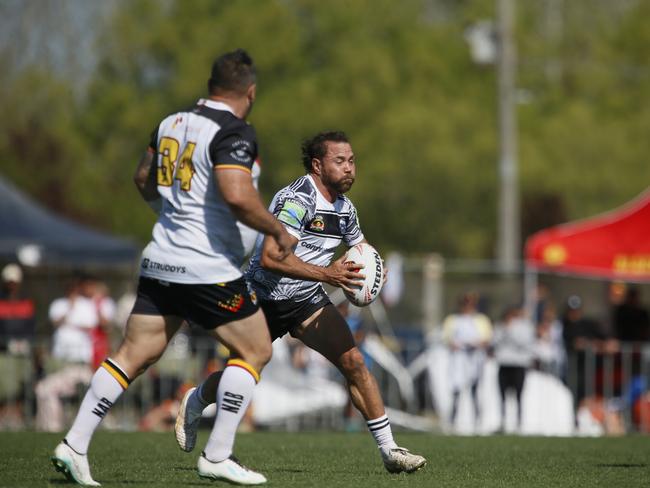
(170, 268)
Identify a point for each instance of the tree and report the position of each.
(397, 76)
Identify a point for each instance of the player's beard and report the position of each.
(344, 184)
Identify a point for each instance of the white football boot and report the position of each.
(187, 424)
(399, 459)
(73, 465)
(230, 470)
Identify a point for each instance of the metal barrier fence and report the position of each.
(611, 382)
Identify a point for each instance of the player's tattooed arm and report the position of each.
(145, 180)
(339, 274)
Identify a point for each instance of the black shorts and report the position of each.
(511, 377)
(284, 316)
(208, 306)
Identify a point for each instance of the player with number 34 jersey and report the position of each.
(186, 248)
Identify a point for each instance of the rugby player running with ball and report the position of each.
(318, 216)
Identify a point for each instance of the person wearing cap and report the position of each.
(17, 327)
(17, 313)
(580, 334)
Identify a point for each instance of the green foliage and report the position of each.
(397, 76)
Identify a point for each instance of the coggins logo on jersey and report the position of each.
(154, 265)
(311, 246)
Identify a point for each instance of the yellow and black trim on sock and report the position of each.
(240, 363)
(116, 372)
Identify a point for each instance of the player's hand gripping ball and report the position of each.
(373, 269)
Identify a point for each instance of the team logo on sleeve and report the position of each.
(241, 151)
(292, 213)
(317, 223)
(343, 225)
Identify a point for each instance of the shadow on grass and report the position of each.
(133, 482)
(286, 470)
(621, 465)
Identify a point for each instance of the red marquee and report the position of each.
(615, 245)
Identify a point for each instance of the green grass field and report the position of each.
(342, 460)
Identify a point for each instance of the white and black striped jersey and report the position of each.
(319, 225)
(197, 238)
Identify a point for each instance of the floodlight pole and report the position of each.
(509, 240)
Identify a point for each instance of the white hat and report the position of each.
(12, 272)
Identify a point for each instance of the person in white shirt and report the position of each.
(74, 318)
(467, 334)
(514, 350)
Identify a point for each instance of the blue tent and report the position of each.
(33, 235)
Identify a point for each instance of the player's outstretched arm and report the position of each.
(237, 189)
(339, 274)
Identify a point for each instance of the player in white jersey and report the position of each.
(319, 217)
(319, 225)
(199, 164)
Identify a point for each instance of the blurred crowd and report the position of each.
(600, 361)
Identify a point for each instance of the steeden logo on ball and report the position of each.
(373, 269)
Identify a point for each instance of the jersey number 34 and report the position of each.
(168, 170)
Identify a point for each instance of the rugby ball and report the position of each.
(373, 269)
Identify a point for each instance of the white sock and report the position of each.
(234, 393)
(380, 430)
(106, 386)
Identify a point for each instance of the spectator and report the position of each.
(582, 335)
(17, 327)
(73, 317)
(542, 301)
(123, 308)
(17, 313)
(513, 342)
(549, 347)
(161, 417)
(309, 362)
(631, 319)
(467, 333)
(100, 334)
(580, 332)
